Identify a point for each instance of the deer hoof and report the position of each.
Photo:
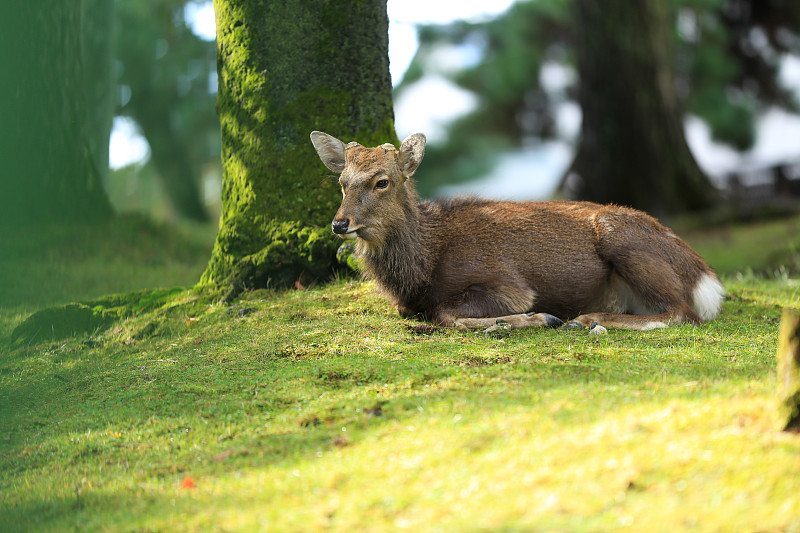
(573, 325)
(552, 321)
(549, 320)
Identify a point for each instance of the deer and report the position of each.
(470, 262)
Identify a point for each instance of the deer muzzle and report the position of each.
(341, 227)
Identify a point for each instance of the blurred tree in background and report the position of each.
(164, 71)
(69, 67)
(724, 59)
(514, 109)
(56, 110)
(58, 94)
(729, 55)
(632, 149)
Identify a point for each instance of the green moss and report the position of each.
(291, 252)
(74, 319)
(346, 256)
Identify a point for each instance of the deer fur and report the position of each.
(473, 262)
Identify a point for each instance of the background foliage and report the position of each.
(727, 57)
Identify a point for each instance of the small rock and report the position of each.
(375, 410)
(498, 331)
(598, 330)
(240, 311)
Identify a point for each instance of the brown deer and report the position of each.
(473, 262)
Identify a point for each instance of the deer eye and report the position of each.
(381, 184)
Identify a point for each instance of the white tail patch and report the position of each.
(707, 297)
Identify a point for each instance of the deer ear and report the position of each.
(411, 151)
(330, 150)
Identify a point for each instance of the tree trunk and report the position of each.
(175, 164)
(164, 65)
(789, 370)
(97, 37)
(632, 150)
(286, 69)
(51, 168)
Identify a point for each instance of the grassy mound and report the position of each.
(80, 319)
(321, 409)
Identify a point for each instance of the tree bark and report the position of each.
(789, 370)
(632, 150)
(285, 69)
(52, 170)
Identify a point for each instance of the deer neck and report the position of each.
(403, 265)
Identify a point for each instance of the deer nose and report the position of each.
(340, 226)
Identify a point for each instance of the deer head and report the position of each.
(377, 197)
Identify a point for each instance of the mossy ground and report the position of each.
(321, 409)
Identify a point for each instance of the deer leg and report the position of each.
(642, 295)
(650, 286)
(487, 305)
(523, 320)
(637, 322)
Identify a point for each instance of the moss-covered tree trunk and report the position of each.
(632, 149)
(55, 110)
(789, 370)
(287, 68)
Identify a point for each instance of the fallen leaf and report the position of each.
(422, 329)
(234, 452)
(222, 455)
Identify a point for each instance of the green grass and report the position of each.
(321, 409)
(771, 247)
